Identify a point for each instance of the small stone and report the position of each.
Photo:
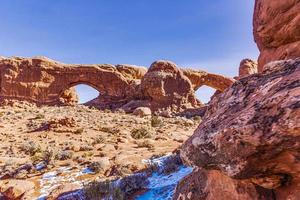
(142, 111)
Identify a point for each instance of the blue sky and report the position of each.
(209, 35)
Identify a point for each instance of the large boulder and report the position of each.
(16, 189)
(142, 111)
(213, 185)
(252, 131)
(277, 30)
(165, 85)
(69, 97)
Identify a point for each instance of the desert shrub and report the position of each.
(140, 133)
(102, 190)
(196, 118)
(97, 166)
(79, 131)
(30, 148)
(2, 114)
(187, 123)
(45, 155)
(85, 148)
(107, 110)
(146, 143)
(87, 154)
(39, 116)
(93, 107)
(156, 121)
(120, 111)
(111, 130)
(63, 155)
(98, 140)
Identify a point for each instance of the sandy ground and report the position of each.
(112, 144)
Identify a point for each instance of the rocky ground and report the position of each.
(36, 140)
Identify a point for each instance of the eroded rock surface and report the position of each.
(247, 67)
(69, 97)
(164, 88)
(213, 185)
(252, 131)
(277, 30)
(45, 81)
(199, 78)
(164, 84)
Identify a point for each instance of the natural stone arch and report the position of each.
(199, 78)
(42, 80)
(109, 83)
(69, 96)
(71, 85)
(164, 86)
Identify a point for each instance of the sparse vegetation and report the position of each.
(146, 144)
(85, 148)
(197, 118)
(87, 154)
(98, 166)
(45, 155)
(98, 140)
(156, 121)
(64, 155)
(30, 148)
(110, 137)
(103, 190)
(140, 133)
(39, 116)
(79, 131)
(111, 130)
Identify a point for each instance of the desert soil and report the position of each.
(111, 143)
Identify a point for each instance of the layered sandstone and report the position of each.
(277, 30)
(45, 81)
(251, 133)
(167, 89)
(131, 71)
(163, 88)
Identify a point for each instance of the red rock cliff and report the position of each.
(277, 29)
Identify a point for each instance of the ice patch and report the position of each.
(161, 187)
(51, 180)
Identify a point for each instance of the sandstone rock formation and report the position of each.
(163, 88)
(16, 189)
(164, 84)
(213, 185)
(277, 30)
(132, 71)
(45, 81)
(199, 78)
(69, 97)
(142, 111)
(251, 132)
(247, 67)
